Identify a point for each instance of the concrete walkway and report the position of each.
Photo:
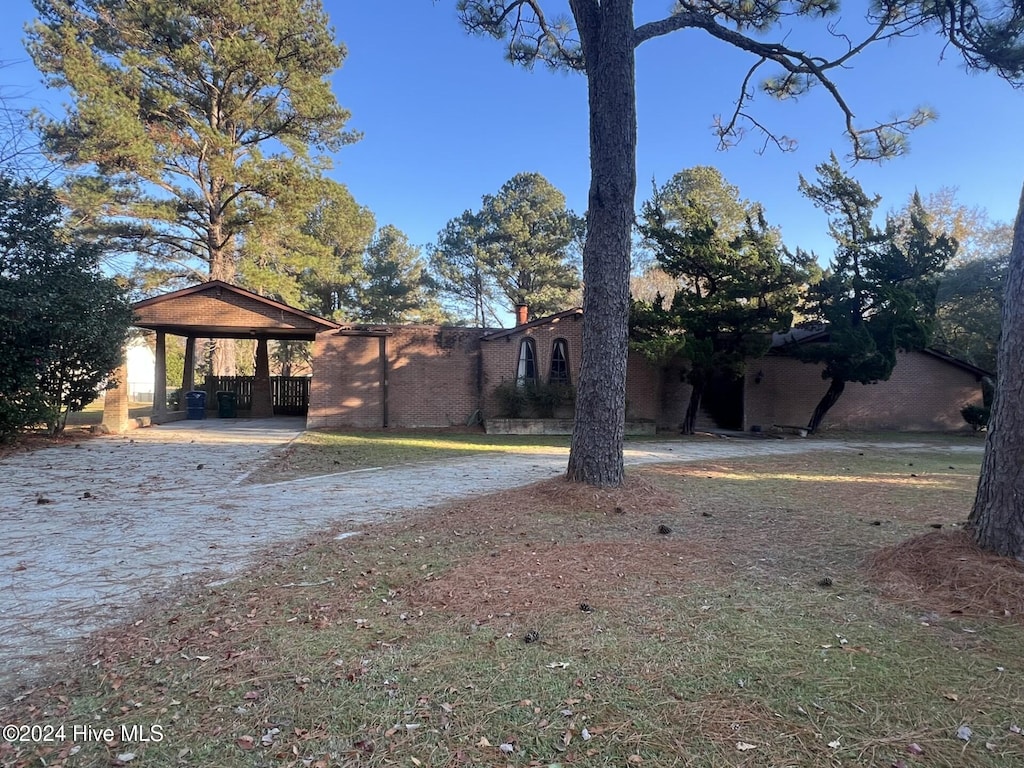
(91, 531)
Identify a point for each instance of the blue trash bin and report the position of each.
(195, 403)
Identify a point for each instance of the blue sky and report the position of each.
(446, 120)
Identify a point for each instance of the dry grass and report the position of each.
(949, 573)
(798, 612)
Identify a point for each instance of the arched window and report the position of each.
(526, 371)
(559, 362)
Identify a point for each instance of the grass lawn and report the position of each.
(319, 453)
(93, 413)
(797, 611)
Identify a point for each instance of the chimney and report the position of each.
(522, 311)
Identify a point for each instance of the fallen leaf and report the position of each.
(635, 759)
(246, 742)
(251, 695)
(915, 749)
(269, 736)
(483, 742)
(951, 696)
(743, 746)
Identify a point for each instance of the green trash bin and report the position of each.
(227, 404)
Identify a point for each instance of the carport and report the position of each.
(217, 310)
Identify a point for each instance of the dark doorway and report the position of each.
(723, 402)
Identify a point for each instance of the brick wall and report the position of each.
(345, 390)
(923, 393)
(439, 377)
(644, 386)
(431, 378)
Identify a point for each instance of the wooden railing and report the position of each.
(290, 394)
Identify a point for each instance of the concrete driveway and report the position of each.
(91, 531)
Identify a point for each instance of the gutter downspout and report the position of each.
(383, 345)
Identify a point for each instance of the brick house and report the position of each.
(413, 376)
(410, 376)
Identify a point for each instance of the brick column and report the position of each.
(115, 402)
(188, 377)
(160, 379)
(262, 397)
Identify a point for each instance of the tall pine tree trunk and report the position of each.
(223, 267)
(693, 408)
(606, 32)
(997, 518)
(830, 398)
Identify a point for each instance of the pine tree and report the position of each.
(194, 125)
(395, 287)
(878, 295)
(736, 287)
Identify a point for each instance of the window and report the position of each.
(526, 372)
(559, 362)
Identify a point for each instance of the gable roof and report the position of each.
(216, 309)
(575, 313)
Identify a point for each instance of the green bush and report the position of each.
(63, 323)
(512, 400)
(535, 399)
(976, 416)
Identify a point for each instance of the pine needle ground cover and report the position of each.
(798, 611)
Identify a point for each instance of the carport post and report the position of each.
(115, 402)
(188, 376)
(160, 379)
(262, 397)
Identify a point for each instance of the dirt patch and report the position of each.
(585, 576)
(561, 565)
(948, 572)
(25, 443)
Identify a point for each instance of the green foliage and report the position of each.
(192, 126)
(990, 36)
(538, 399)
(396, 287)
(976, 415)
(878, 295)
(734, 291)
(521, 245)
(459, 269)
(969, 301)
(62, 323)
(512, 399)
(969, 306)
(341, 231)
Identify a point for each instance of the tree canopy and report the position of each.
(520, 248)
(196, 130)
(394, 286)
(878, 295)
(737, 284)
